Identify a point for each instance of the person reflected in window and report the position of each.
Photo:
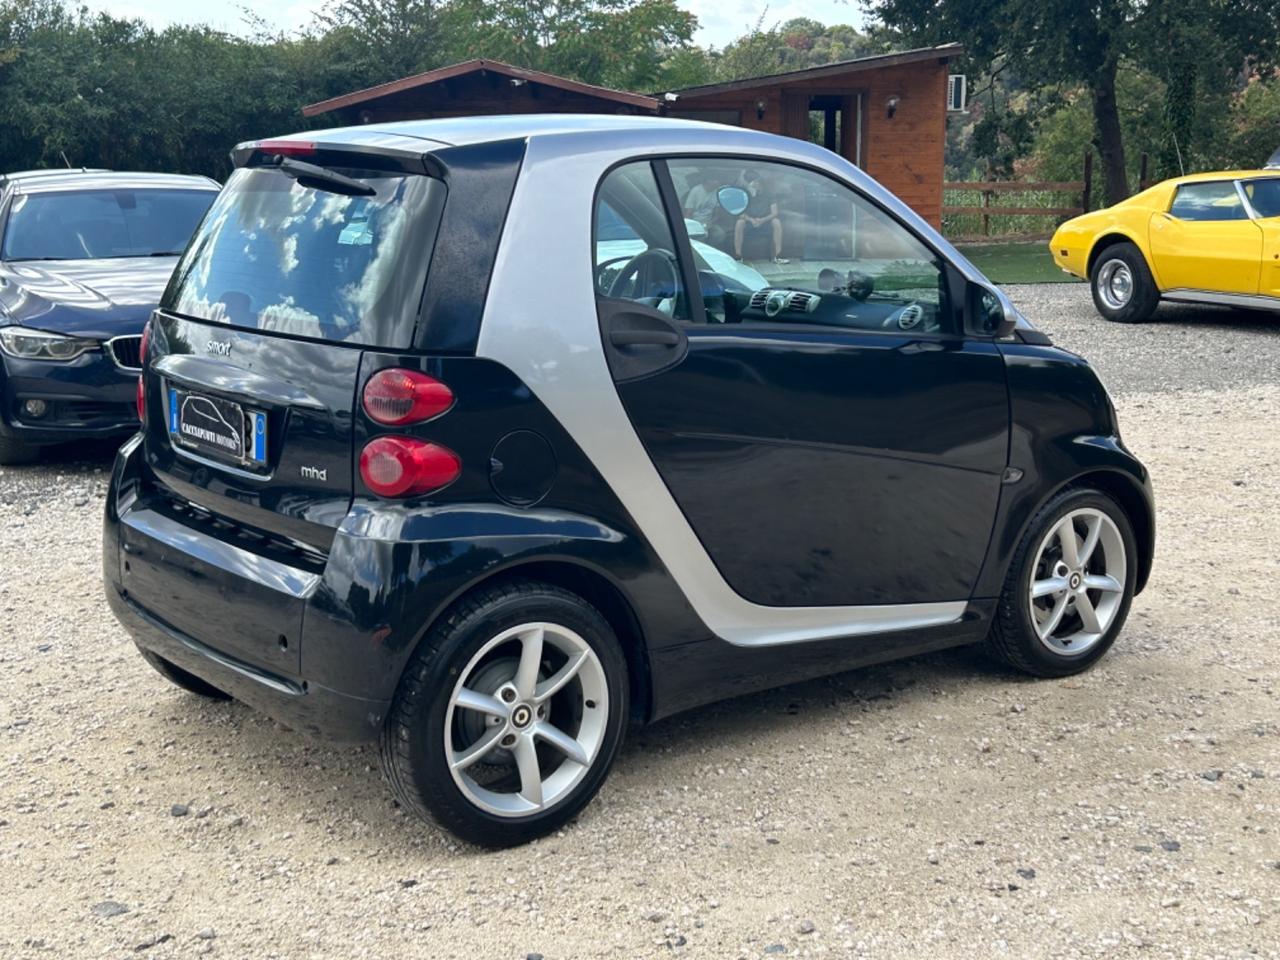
(702, 204)
(760, 220)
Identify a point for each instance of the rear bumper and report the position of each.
(299, 704)
(87, 397)
(229, 616)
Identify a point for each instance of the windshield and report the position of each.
(1264, 195)
(276, 255)
(98, 224)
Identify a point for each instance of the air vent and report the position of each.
(802, 302)
(758, 298)
(910, 316)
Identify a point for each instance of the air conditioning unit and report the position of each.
(957, 93)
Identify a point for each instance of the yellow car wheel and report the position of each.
(1123, 288)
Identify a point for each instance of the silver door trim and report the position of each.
(1251, 301)
(540, 321)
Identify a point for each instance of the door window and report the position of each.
(1208, 201)
(779, 244)
(635, 251)
(1264, 195)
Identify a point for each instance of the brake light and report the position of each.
(141, 396)
(405, 467)
(286, 148)
(399, 397)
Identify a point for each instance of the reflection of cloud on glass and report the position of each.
(288, 317)
(361, 296)
(289, 257)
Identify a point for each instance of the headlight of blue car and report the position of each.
(27, 344)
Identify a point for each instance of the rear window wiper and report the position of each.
(322, 178)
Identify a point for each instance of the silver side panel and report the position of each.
(1250, 301)
(540, 321)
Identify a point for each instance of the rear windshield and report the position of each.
(278, 256)
(96, 224)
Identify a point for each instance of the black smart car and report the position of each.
(431, 457)
(84, 257)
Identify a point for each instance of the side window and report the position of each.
(635, 252)
(779, 244)
(1265, 196)
(1208, 201)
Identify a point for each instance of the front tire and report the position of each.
(509, 715)
(12, 452)
(1069, 587)
(1123, 289)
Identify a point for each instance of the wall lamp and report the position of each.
(760, 105)
(891, 106)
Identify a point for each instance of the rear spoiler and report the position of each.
(355, 147)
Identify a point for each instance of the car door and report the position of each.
(1263, 194)
(831, 436)
(1206, 241)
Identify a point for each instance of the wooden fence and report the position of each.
(1077, 190)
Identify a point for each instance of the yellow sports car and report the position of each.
(1206, 238)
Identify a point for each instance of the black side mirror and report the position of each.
(992, 315)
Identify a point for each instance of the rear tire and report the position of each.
(181, 678)
(491, 712)
(12, 452)
(1083, 599)
(1123, 289)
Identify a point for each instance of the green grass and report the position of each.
(1015, 262)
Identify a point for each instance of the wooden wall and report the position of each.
(905, 152)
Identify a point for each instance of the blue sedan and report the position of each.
(84, 257)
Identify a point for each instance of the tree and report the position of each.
(1065, 43)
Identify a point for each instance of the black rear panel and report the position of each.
(305, 390)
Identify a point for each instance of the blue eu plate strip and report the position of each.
(173, 411)
(259, 437)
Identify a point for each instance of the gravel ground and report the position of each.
(937, 805)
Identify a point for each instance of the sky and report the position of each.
(720, 21)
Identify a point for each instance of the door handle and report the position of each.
(635, 338)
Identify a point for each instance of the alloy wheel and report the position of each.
(1078, 581)
(526, 719)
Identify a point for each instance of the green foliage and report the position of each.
(1193, 49)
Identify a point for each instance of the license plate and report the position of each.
(218, 428)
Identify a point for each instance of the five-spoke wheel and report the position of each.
(509, 715)
(526, 719)
(1069, 586)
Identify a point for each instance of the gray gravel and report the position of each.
(1181, 348)
(937, 807)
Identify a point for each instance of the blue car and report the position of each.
(84, 257)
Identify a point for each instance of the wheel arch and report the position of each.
(1110, 239)
(596, 588)
(1127, 492)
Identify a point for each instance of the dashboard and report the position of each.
(831, 309)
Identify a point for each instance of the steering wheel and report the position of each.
(648, 269)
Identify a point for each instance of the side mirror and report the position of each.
(992, 312)
(733, 200)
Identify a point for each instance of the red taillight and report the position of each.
(398, 397)
(405, 467)
(286, 148)
(141, 398)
